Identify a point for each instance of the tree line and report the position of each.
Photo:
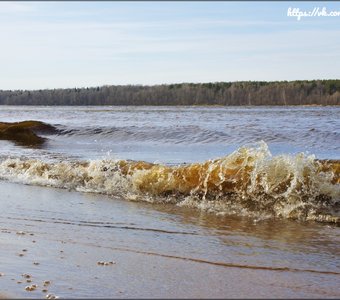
(301, 92)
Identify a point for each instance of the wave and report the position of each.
(25, 133)
(28, 133)
(249, 181)
(185, 134)
(180, 135)
(35, 133)
(204, 134)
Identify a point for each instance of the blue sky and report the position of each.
(79, 44)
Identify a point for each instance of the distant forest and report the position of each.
(314, 92)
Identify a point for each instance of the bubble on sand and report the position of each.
(47, 282)
(105, 263)
(51, 296)
(31, 288)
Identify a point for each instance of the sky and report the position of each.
(87, 44)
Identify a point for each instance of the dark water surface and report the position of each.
(179, 134)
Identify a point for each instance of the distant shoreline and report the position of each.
(241, 93)
(177, 105)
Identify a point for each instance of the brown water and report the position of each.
(248, 182)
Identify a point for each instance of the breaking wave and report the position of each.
(25, 133)
(249, 181)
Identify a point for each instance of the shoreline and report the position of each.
(90, 246)
(177, 105)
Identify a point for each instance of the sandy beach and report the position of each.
(71, 244)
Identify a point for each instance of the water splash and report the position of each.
(249, 181)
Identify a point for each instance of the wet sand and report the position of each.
(93, 246)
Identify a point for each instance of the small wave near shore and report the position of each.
(250, 181)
